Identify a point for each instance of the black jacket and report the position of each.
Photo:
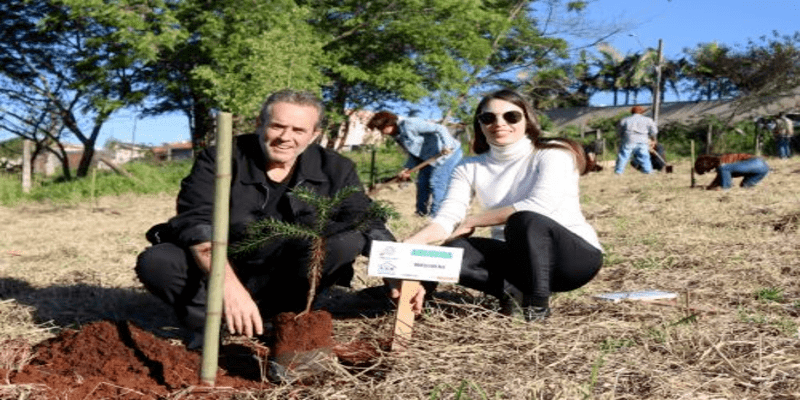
(321, 170)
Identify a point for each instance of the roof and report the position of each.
(682, 111)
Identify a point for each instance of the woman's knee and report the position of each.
(524, 221)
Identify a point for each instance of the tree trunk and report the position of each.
(203, 131)
(86, 159)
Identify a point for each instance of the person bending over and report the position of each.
(527, 188)
(635, 133)
(728, 166)
(422, 140)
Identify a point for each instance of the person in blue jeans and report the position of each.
(422, 140)
(635, 133)
(784, 130)
(728, 166)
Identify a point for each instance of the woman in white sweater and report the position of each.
(527, 188)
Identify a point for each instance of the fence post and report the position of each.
(692, 161)
(26, 166)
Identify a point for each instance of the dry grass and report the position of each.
(734, 252)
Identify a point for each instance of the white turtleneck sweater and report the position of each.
(544, 181)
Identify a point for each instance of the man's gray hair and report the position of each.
(290, 96)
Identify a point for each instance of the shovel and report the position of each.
(667, 167)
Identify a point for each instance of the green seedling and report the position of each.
(263, 232)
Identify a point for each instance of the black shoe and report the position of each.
(512, 306)
(535, 314)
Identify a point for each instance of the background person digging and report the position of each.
(422, 140)
(635, 133)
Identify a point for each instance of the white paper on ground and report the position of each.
(640, 295)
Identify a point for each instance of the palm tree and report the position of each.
(610, 75)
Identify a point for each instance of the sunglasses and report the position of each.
(511, 117)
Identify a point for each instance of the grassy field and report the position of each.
(734, 255)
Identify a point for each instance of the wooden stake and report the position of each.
(693, 182)
(404, 318)
(26, 166)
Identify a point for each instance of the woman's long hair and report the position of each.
(706, 162)
(532, 130)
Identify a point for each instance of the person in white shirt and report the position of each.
(635, 133)
(527, 188)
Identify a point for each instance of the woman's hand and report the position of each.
(417, 300)
(463, 230)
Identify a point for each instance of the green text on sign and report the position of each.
(431, 253)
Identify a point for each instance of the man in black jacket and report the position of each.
(266, 167)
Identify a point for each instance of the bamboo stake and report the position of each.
(219, 250)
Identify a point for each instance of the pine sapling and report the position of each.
(263, 232)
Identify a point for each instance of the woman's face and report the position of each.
(502, 122)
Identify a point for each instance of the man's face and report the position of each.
(289, 132)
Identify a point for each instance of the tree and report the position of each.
(753, 75)
(234, 54)
(388, 51)
(229, 54)
(65, 61)
(765, 70)
(704, 71)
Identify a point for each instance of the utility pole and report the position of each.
(657, 89)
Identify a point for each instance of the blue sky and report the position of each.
(678, 23)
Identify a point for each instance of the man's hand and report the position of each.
(417, 301)
(241, 313)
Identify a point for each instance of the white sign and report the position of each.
(414, 261)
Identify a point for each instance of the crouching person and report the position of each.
(266, 167)
(728, 166)
(528, 190)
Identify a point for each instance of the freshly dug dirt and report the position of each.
(309, 331)
(121, 361)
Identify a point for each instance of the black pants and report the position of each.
(538, 257)
(277, 280)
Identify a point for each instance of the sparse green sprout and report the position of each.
(770, 294)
